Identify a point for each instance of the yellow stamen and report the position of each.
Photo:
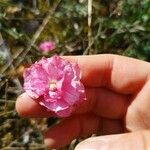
(52, 85)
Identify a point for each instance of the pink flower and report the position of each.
(55, 83)
(47, 46)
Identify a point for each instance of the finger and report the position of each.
(111, 126)
(100, 101)
(105, 103)
(77, 126)
(28, 107)
(128, 141)
(138, 114)
(112, 71)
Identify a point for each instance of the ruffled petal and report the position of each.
(35, 81)
(57, 83)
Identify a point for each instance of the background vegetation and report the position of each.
(115, 26)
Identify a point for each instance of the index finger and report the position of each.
(101, 102)
(121, 74)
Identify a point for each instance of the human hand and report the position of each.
(118, 101)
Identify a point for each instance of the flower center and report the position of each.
(52, 85)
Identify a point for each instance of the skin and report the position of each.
(117, 106)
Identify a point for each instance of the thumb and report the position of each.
(139, 140)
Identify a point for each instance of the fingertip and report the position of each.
(21, 104)
(28, 107)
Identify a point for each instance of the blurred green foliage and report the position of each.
(118, 26)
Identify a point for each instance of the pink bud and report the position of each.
(47, 46)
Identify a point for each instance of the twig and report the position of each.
(89, 27)
(39, 31)
(36, 147)
(8, 101)
(6, 113)
(23, 52)
(4, 69)
(94, 39)
(10, 64)
(6, 90)
(16, 141)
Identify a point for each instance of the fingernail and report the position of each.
(92, 145)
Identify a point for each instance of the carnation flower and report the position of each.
(47, 46)
(55, 84)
